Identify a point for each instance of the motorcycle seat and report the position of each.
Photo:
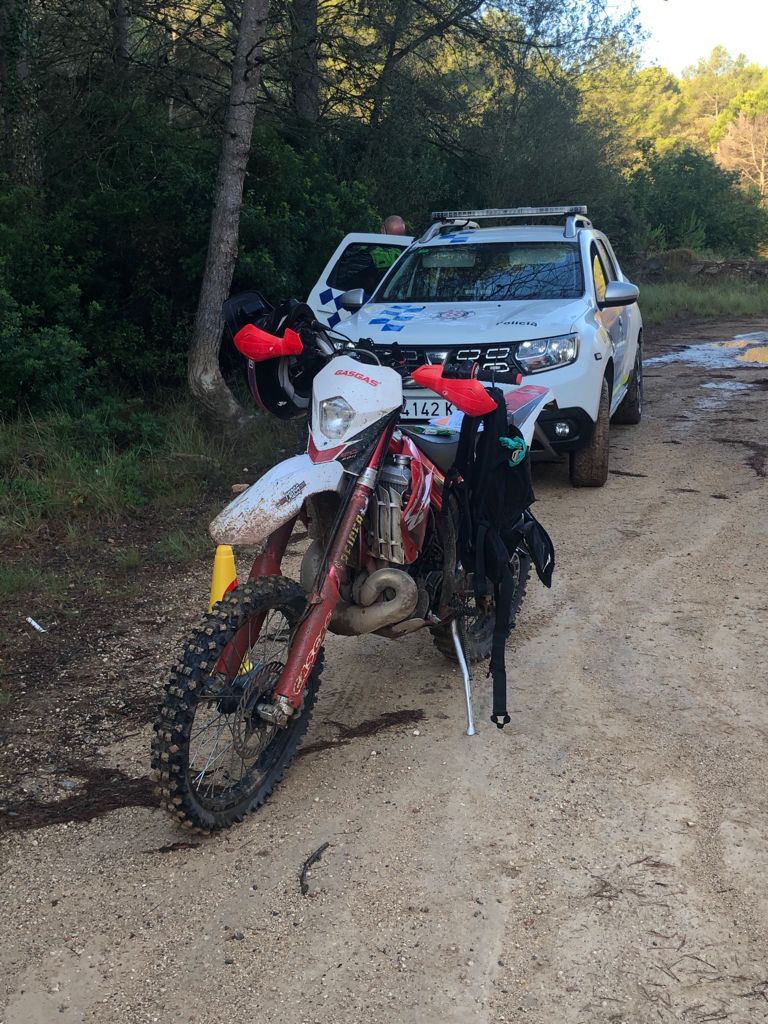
(440, 448)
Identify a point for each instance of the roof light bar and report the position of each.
(499, 214)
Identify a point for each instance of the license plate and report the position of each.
(425, 407)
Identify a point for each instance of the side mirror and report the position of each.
(352, 300)
(619, 293)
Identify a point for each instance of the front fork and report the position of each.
(309, 637)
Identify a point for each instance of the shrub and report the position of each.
(687, 201)
(38, 367)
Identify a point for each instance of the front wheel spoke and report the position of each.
(268, 637)
(221, 723)
(205, 728)
(212, 762)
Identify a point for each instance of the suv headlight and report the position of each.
(547, 353)
(335, 416)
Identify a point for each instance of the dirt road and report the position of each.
(604, 859)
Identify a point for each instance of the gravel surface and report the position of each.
(603, 859)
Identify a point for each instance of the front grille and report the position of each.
(494, 357)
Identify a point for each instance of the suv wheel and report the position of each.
(631, 408)
(589, 465)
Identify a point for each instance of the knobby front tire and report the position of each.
(214, 758)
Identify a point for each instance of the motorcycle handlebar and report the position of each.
(497, 377)
(467, 370)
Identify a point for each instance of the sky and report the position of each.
(682, 31)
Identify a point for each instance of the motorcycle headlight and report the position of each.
(335, 416)
(547, 353)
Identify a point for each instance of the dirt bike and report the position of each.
(383, 557)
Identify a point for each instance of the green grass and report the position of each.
(183, 546)
(22, 579)
(724, 299)
(68, 473)
(129, 559)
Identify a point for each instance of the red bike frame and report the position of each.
(310, 634)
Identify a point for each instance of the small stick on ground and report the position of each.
(313, 858)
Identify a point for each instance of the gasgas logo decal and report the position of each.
(358, 376)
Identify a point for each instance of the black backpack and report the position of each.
(491, 478)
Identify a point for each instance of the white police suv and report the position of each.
(547, 298)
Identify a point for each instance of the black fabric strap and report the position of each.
(504, 591)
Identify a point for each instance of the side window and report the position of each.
(608, 264)
(363, 265)
(598, 274)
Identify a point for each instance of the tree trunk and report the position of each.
(120, 15)
(18, 95)
(205, 379)
(305, 76)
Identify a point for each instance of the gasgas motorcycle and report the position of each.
(382, 558)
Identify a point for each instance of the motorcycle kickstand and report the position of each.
(465, 673)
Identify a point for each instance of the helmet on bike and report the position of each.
(282, 386)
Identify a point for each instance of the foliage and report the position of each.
(687, 201)
(708, 87)
(636, 107)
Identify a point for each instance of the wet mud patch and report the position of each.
(103, 789)
(758, 457)
(369, 727)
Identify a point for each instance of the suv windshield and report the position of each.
(486, 271)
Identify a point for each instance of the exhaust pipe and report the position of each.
(366, 616)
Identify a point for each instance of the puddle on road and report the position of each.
(728, 385)
(743, 350)
(720, 390)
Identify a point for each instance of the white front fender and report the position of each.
(274, 499)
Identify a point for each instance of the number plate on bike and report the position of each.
(424, 405)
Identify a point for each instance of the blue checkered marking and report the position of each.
(458, 238)
(395, 317)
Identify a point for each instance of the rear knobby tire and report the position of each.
(478, 626)
(589, 465)
(214, 794)
(631, 409)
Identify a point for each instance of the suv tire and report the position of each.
(631, 408)
(589, 465)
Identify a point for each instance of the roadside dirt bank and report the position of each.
(602, 860)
